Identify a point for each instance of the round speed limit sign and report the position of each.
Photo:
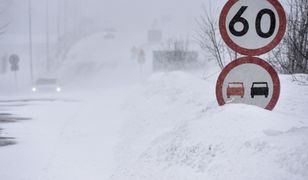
(252, 27)
(248, 80)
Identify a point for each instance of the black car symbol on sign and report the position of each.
(259, 89)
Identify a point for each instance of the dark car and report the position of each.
(259, 89)
(235, 89)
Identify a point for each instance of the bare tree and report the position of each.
(292, 55)
(297, 36)
(174, 52)
(209, 38)
(4, 23)
(175, 55)
(178, 48)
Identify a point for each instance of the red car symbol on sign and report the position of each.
(235, 89)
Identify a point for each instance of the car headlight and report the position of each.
(58, 89)
(34, 89)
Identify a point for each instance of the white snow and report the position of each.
(115, 120)
(190, 137)
(168, 126)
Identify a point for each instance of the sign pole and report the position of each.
(48, 63)
(30, 40)
(16, 80)
(14, 61)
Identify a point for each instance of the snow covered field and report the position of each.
(167, 127)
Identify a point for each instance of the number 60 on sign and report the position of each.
(252, 27)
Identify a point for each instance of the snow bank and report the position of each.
(175, 130)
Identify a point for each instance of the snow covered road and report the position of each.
(67, 139)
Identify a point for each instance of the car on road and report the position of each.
(235, 89)
(259, 89)
(46, 85)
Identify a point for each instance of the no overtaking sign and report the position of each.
(249, 80)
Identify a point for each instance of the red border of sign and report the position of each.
(249, 60)
(252, 52)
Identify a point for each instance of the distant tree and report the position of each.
(209, 39)
(4, 23)
(297, 36)
(178, 48)
(175, 54)
(291, 56)
(141, 57)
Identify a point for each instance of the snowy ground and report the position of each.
(167, 127)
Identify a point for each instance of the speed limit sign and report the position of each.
(252, 27)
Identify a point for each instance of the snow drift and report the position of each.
(176, 131)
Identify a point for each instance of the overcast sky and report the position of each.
(131, 14)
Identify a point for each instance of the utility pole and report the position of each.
(47, 38)
(65, 16)
(59, 16)
(30, 40)
(58, 19)
(59, 40)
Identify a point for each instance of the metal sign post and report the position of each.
(14, 61)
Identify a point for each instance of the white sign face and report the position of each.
(238, 88)
(248, 33)
(250, 81)
(252, 27)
